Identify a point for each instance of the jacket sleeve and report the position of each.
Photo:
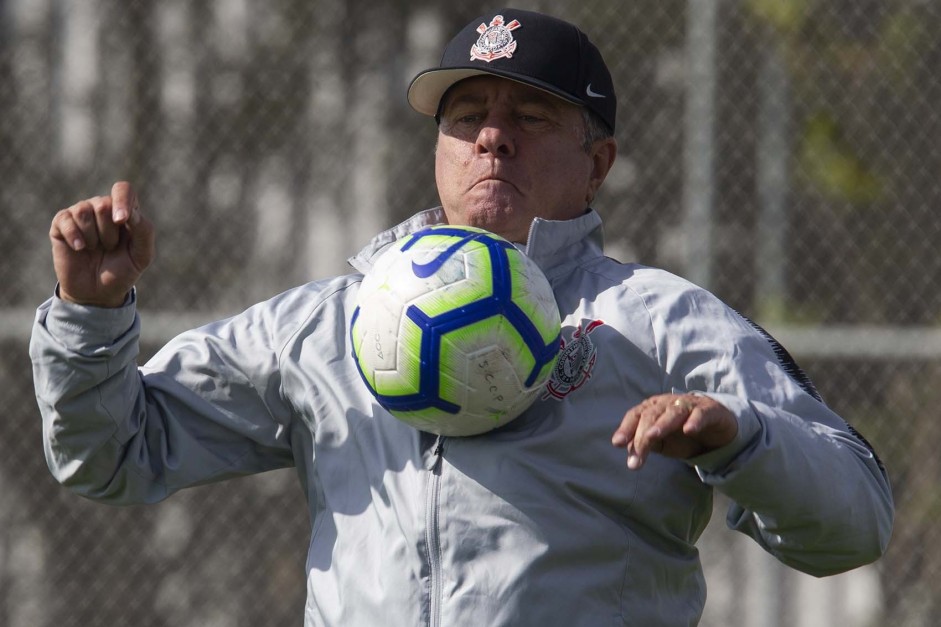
(205, 408)
(803, 483)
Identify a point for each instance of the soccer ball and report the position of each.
(456, 331)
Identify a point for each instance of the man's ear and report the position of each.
(603, 153)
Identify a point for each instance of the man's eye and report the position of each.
(531, 119)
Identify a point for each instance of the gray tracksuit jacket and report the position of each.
(537, 523)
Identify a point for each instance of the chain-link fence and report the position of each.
(783, 153)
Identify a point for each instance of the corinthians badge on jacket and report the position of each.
(576, 360)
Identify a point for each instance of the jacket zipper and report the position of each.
(432, 534)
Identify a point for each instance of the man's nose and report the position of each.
(496, 137)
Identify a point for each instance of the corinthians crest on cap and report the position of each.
(495, 41)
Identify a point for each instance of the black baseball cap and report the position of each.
(531, 48)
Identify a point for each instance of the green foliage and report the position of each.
(902, 45)
(780, 310)
(833, 165)
(784, 17)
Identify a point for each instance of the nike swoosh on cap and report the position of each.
(593, 94)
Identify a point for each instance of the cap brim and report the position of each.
(427, 89)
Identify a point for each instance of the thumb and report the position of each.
(124, 203)
(141, 245)
(138, 229)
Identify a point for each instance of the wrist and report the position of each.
(104, 303)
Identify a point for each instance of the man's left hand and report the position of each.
(674, 425)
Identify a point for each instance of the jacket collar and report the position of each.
(363, 261)
(553, 244)
(557, 244)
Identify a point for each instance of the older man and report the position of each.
(538, 522)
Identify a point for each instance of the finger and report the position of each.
(685, 416)
(141, 236)
(76, 226)
(696, 422)
(109, 233)
(647, 435)
(656, 424)
(624, 436)
(711, 424)
(141, 241)
(662, 429)
(625, 432)
(124, 203)
(64, 229)
(120, 202)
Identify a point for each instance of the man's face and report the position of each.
(508, 153)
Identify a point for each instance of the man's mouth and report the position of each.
(491, 179)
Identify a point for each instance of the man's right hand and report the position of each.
(100, 247)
